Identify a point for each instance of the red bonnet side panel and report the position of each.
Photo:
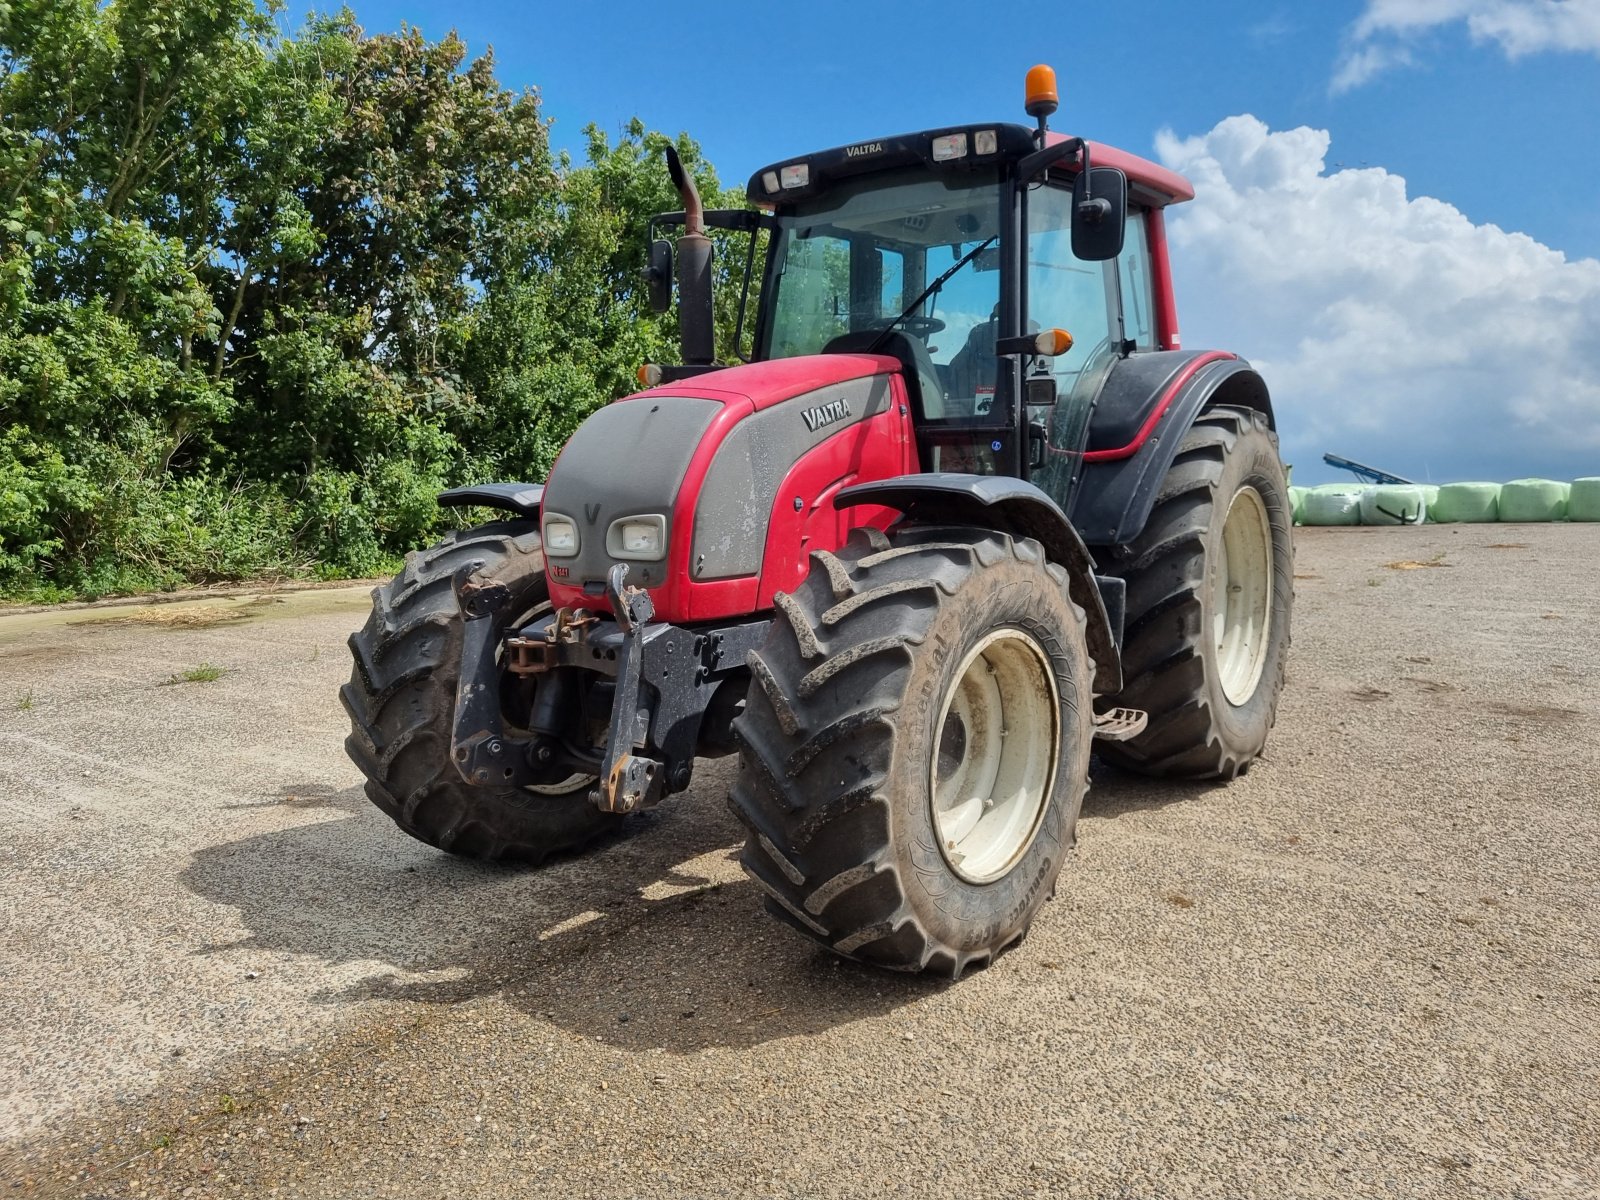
(879, 448)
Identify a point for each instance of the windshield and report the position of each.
(850, 261)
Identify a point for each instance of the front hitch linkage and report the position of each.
(628, 782)
(479, 746)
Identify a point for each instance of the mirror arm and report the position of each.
(1089, 209)
(744, 296)
(736, 220)
(1030, 165)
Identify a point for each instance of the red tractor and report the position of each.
(911, 561)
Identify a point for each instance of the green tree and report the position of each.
(262, 296)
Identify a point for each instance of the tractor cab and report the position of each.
(1005, 277)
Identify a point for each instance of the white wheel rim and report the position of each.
(1241, 596)
(572, 783)
(994, 757)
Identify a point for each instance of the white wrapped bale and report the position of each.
(1332, 504)
(1394, 504)
(1583, 502)
(1533, 500)
(1431, 494)
(1467, 502)
(1297, 503)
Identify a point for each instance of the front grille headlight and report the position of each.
(642, 538)
(560, 537)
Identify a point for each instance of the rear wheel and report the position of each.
(401, 700)
(915, 747)
(1210, 591)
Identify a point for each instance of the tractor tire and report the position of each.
(1214, 563)
(401, 700)
(876, 727)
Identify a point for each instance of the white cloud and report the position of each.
(1363, 62)
(1390, 329)
(1381, 36)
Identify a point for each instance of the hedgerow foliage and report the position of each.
(262, 296)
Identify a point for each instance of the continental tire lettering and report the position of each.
(1033, 890)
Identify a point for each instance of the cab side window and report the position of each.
(814, 302)
(1063, 292)
(1134, 265)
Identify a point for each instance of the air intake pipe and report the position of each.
(696, 334)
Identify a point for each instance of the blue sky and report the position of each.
(758, 82)
(1485, 112)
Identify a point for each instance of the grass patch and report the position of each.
(25, 701)
(204, 673)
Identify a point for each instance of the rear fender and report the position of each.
(1152, 407)
(1017, 507)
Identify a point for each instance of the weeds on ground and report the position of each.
(1411, 564)
(25, 701)
(204, 673)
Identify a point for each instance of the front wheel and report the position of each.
(1210, 591)
(401, 700)
(915, 747)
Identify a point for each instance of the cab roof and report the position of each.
(1150, 183)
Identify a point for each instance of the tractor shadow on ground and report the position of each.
(1114, 792)
(651, 939)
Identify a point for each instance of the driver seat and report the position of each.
(976, 364)
(922, 377)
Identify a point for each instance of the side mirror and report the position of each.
(658, 275)
(1099, 214)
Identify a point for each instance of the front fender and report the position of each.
(523, 499)
(1020, 508)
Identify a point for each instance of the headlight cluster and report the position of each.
(560, 537)
(642, 538)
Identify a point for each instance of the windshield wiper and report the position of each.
(930, 290)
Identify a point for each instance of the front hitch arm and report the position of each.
(627, 781)
(478, 743)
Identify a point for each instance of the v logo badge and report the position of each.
(592, 512)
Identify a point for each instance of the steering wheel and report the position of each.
(917, 326)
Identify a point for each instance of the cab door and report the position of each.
(1089, 300)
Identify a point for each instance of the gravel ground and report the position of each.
(1371, 967)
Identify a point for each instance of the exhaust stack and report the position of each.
(696, 334)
